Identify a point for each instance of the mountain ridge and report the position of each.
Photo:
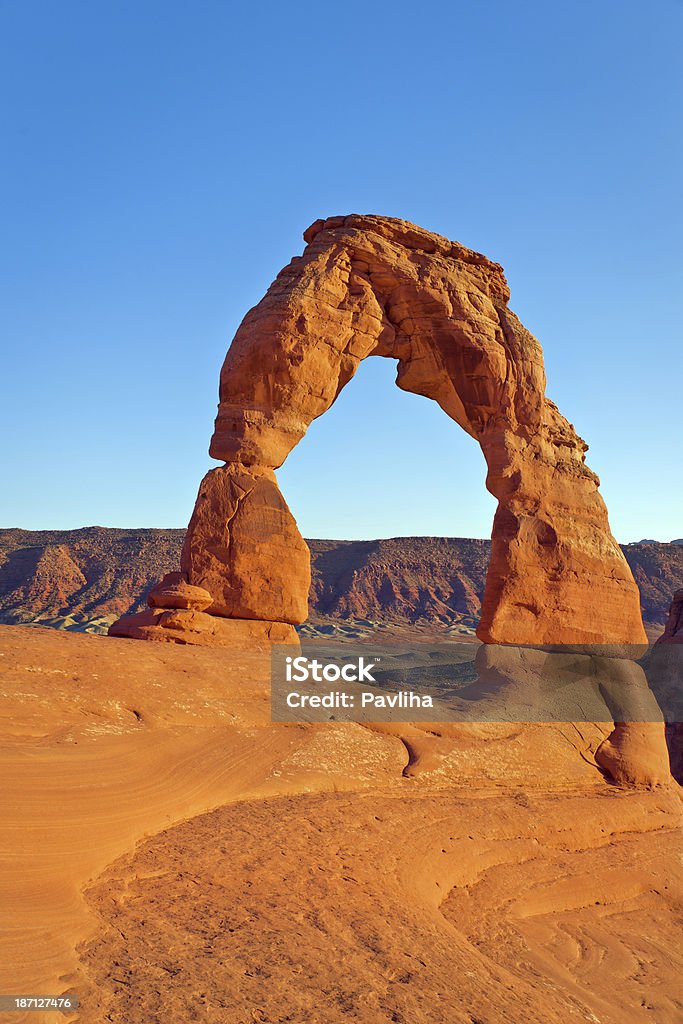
(83, 579)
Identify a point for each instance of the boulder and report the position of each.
(175, 592)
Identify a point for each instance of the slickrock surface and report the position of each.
(376, 907)
(84, 579)
(170, 854)
(378, 286)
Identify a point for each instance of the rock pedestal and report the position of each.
(245, 570)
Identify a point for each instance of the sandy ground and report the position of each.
(170, 854)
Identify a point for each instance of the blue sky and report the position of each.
(161, 160)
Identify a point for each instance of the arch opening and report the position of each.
(398, 518)
(384, 463)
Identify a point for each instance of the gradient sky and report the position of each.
(161, 160)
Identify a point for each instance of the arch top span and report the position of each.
(368, 285)
(371, 285)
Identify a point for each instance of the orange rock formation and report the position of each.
(368, 285)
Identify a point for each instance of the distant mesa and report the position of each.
(406, 581)
(378, 286)
(649, 541)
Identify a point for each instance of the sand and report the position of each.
(170, 854)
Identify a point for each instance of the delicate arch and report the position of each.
(368, 285)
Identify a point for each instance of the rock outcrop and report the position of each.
(636, 754)
(667, 659)
(368, 285)
(673, 631)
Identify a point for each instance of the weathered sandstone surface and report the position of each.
(179, 625)
(244, 548)
(368, 285)
(184, 857)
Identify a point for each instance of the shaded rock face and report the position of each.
(673, 631)
(367, 286)
(657, 569)
(669, 664)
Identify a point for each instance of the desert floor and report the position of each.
(169, 854)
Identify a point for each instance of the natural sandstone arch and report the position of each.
(368, 285)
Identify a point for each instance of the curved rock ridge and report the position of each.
(378, 286)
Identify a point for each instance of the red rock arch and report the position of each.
(368, 285)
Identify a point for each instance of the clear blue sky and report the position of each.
(161, 159)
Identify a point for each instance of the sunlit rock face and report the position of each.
(366, 286)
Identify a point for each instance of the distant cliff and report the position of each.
(83, 579)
